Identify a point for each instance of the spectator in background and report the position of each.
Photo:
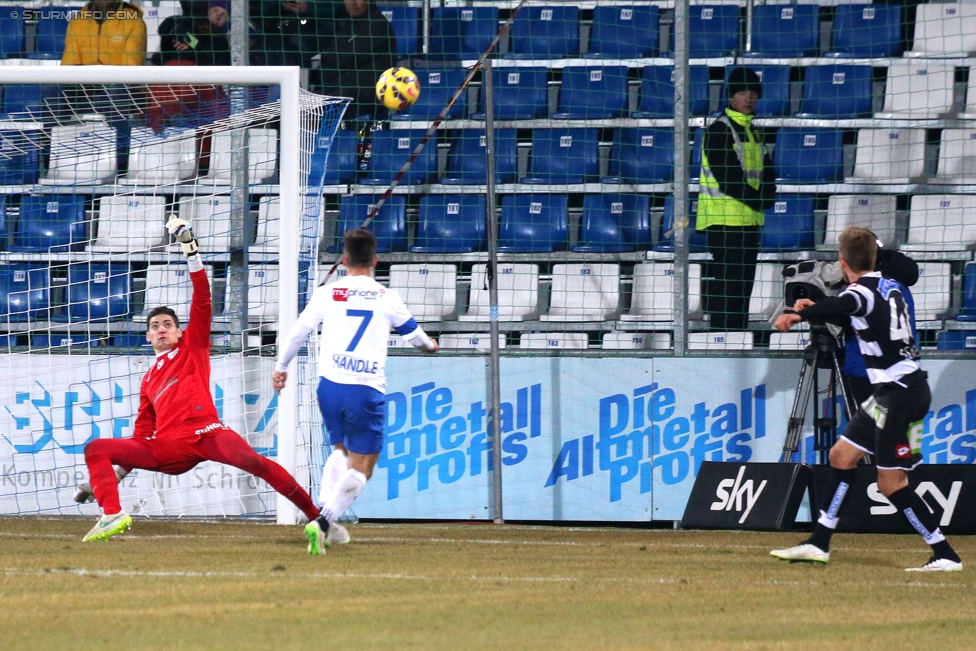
(737, 185)
(202, 40)
(294, 32)
(106, 32)
(361, 48)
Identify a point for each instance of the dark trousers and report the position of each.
(733, 272)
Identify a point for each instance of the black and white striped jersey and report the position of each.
(883, 324)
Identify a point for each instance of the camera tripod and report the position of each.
(820, 353)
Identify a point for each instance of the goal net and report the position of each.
(92, 173)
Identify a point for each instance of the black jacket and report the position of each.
(206, 47)
(719, 147)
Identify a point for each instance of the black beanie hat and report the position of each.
(744, 79)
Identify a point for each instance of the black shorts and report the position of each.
(889, 423)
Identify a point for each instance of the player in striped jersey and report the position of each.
(882, 426)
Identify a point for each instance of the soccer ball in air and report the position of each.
(398, 88)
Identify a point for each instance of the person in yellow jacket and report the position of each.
(737, 184)
(106, 32)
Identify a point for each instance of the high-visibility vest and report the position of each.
(714, 206)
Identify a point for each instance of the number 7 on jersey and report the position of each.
(366, 316)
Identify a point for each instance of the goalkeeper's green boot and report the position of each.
(318, 538)
(108, 526)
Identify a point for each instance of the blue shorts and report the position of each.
(354, 415)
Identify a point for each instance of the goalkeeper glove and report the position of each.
(181, 232)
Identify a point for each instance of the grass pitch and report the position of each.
(168, 585)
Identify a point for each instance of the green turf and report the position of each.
(182, 585)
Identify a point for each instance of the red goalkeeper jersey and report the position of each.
(175, 400)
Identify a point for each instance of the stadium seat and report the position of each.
(518, 293)
(461, 32)
(932, 293)
(130, 223)
(809, 155)
(614, 223)
(919, 89)
(867, 31)
(262, 159)
(637, 341)
(438, 86)
(3, 224)
(956, 340)
(713, 31)
(154, 16)
(624, 32)
(210, 219)
(874, 212)
(775, 100)
(941, 222)
(767, 291)
(520, 94)
(889, 156)
(549, 32)
(392, 148)
(451, 224)
(564, 156)
(785, 31)
(653, 293)
(694, 169)
(159, 159)
(50, 223)
(340, 166)
(25, 292)
(969, 110)
(262, 292)
(480, 341)
(592, 92)
(12, 32)
(20, 154)
(63, 340)
(554, 340)
(718, 341)
(696, 238)
(789, 224)
(657, 92)
(428, 290)
(467, 163)
(82, 154)
(52, 25)
(130, 341)
(406, 24)
(98, 291)
(22, 101)
(836, 91)
(797, 340)
(389, 226)
(268, 238)
(641, 155)
(534, 223)
(967, 311)
(169, 284)
(583, 292)
(323, 277)
(957, 156)
(944, 30)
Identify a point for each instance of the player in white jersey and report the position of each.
(358, 314)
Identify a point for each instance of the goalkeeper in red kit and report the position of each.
(177, 426)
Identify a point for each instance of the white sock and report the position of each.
(348, 490)
(332, 472)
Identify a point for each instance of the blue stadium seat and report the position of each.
(546, 32)
(775, 99)
(694, 169)
(51, 222)
(696, 239)
(809, 155)
(20, 162)
(785, 31)
(3, 224)
(564, 156)
(657, 92)
(534, 223)
(967, 311)
(24, 100)
(11, 32)
(641, 156)
(625, 32)
(389, 226)
(614, 223)
(451, 223)
(130, 341)
(459, 32)
(25, 292)
(50, 341)
(52, 25)
(520, 94)
(392, 148)
(98, 291)
(405, 22)
(713, 31)
(341, 164)
(789, 224)
(956, 340)
(592, 92)
(869, 31)
(841, 91)
(437, 87)
(466, 161)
